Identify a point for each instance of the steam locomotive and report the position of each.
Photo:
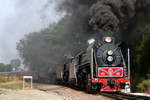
(103, 67)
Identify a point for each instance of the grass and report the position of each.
(13, 85)
(9, 82)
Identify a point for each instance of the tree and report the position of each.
(15, 63)
(8, 68)
(2, 67)
(5, 68)
(54, 44)
(143, 52)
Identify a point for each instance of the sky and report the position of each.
(20, 17)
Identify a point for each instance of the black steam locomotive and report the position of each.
(103, 67)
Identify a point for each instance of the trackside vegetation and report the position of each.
(2, 80)
(144, 86)
(11, 83)
(142, 59)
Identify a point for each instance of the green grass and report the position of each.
(13, 85)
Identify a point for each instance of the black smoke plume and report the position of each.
(79, 12)
(106, 15)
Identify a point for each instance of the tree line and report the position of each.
(13, 66)
(53, 45)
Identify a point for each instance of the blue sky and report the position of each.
(20, 17)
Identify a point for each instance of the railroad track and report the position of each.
(122, 96)
(118, 96)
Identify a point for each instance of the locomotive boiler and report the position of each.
(103, 67)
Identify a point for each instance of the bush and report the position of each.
(144, 85)
(2, 80)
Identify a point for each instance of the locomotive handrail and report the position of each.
(124, 64)
(114, 50)
(92, 63)
(128, 62)
(96, 64)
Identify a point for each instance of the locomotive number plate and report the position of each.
(110, 72)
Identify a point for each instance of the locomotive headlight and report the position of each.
(110, 52)
(110, 58)
(108, 39)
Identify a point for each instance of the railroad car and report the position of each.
(45, 75)
(103, 67)
(17, 74)
(38, 76)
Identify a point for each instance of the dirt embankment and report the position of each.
(48, 92)
(29, 94)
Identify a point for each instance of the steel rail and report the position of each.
(123, 96)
